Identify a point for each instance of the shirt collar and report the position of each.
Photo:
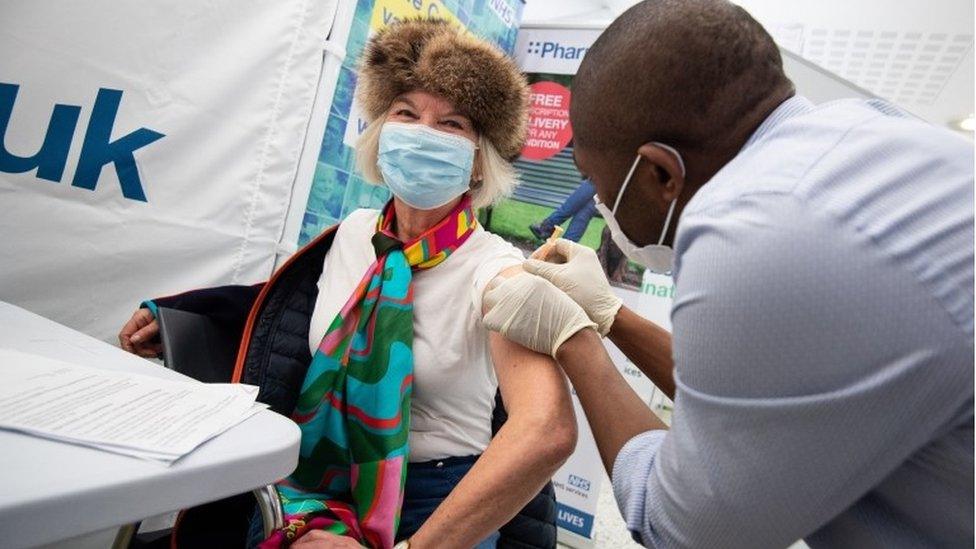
(793, 106)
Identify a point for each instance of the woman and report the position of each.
(446, 112)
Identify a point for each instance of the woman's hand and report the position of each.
(319, 539)
(138, 335)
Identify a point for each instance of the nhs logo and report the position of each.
(556, 50)
(504, 11)
(98, 149)
(579, 482)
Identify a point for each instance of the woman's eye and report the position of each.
(453, 124)
(405, 112)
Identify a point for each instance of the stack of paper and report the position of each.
(131, 414)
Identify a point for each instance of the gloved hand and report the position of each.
(533, 313)
(575, 269)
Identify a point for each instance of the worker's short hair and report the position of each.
(682, 72)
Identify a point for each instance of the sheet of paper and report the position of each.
(126, 413)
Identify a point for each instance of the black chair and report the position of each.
(195, 346)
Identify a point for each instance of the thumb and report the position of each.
(491, 298)
(494, 320)
(541, 268)
(494, 317)
(498, 292)
(567, 248)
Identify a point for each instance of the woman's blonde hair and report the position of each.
(498, 176)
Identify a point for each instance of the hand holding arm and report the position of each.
(532, 312)
(575, 269)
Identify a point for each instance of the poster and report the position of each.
(548, 130)
(336, 188)
(551, 191)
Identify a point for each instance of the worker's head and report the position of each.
(440, 102)
(681, 84)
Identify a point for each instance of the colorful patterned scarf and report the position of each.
(354, 406)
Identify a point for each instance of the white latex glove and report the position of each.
(575, 269)
(532, 312)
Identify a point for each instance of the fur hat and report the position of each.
(433, 56)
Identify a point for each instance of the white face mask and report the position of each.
(424, 167)
(658, 258)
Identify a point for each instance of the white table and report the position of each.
(52, 491)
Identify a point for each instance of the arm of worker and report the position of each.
(575, 269)
(647, 345)
(616, 413)
(799, 387)
(538, 437)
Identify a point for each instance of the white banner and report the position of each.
(148, 147)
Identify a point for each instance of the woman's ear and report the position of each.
(477, 178)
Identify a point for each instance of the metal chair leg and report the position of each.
(270, 506)
(124, 536)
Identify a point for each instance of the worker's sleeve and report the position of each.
(802, 382)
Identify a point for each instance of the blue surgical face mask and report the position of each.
(423, 167)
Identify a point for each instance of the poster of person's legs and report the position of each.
(551, 191)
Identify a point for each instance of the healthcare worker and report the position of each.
(822, 351)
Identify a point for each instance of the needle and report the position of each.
(543, 251)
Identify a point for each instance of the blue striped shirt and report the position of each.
(823, 343)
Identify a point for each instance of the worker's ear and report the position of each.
(665, 170)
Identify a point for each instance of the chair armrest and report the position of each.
(269, 504)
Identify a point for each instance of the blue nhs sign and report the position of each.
(97, 149)
(574, 520)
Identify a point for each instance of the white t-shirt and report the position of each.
(454, 378)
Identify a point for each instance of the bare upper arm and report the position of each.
(528, 381)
